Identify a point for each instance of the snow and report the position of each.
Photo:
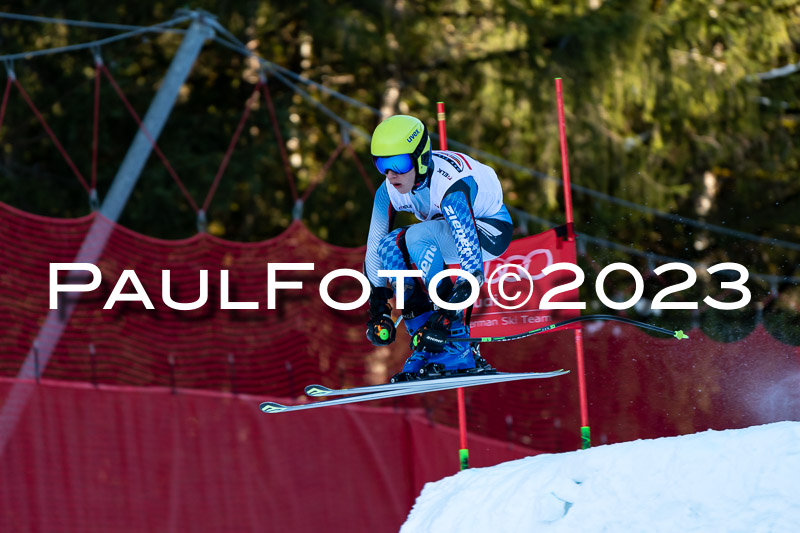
(745, 480)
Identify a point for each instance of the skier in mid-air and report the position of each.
(459, 202)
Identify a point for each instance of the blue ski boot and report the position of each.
(459, 350)
(457, 355)
(419, 359)
(453, 358)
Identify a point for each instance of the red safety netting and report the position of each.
(141, 459)
(246, 350)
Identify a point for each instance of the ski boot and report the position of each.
(463, 350)
(455, 357)
(419, 359)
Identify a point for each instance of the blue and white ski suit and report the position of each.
(464, 221)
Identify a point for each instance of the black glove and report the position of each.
(380, 326)
(433, 334)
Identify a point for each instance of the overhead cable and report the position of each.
(69, 22)
(100, 42)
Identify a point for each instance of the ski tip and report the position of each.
(317, 390)
(679, 334)
(272, 407)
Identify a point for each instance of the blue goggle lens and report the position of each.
(398, 163)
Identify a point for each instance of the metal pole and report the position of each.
(36, 362)
(463, 450)
(586, 441)
(232, 371)
(173, 384)
(562, 134)
(93, 361)
(96, 238)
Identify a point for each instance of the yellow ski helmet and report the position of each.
(403, 135)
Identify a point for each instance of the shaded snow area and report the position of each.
(745, 480)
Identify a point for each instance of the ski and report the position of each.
(403, 389)
(319, 391)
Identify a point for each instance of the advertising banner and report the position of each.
(511, 297)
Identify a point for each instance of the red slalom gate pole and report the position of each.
(586, 440)
(463, 451)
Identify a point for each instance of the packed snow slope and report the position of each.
(745, 480)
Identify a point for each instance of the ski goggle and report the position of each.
(398, 163)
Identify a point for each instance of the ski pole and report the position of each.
(678, 334)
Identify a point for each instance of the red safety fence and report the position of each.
(120, 459)
(260, 351)
(639, 386)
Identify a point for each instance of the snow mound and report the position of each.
(745, 480)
